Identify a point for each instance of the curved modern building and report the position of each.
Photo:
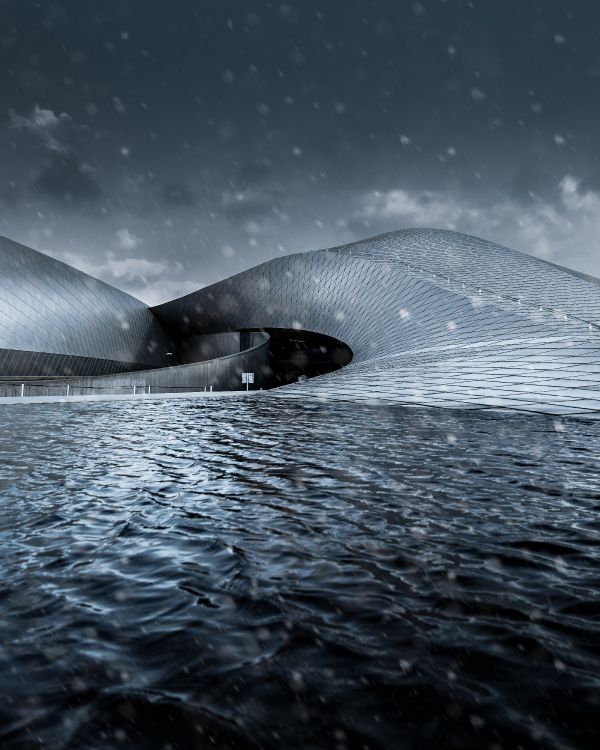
(56, 320)
(418, 316)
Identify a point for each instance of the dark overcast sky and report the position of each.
(164, 145)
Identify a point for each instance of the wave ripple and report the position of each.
(261, 574)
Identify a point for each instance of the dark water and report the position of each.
(271, 574)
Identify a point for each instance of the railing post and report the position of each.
(68, 387)
(211, 389)
(149, 389)
(134, 390)
(22, 389)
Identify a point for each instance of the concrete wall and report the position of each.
(223, 374)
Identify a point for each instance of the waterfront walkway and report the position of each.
(63, 399)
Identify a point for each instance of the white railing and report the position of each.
(17, 388)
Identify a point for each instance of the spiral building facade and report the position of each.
(56, 320)
(423, 317)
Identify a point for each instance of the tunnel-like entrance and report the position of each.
(294, 355)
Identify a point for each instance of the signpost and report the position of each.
(247, 377)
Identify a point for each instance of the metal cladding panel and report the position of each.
(50, 308)
(432, 317)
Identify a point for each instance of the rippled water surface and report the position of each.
(256, 573)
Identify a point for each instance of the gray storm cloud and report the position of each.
(166, 149)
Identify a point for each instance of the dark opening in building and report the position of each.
(295, 355)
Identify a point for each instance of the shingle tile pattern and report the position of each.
(55, 320)
(433, 318)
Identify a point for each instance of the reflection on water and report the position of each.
(248, 574)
